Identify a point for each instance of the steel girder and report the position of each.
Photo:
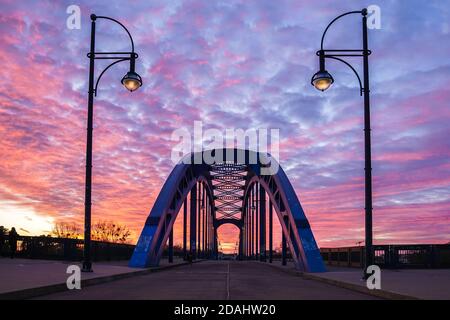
(159, 223)
(293, 221)
(184, 176)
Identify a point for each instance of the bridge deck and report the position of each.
(214, 280)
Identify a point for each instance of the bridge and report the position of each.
(228, 186)
(210, 189)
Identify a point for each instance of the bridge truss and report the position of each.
(234, 192)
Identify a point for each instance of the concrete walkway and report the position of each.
(23, 276)
(395, 284)
(213, 280)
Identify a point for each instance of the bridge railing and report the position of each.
(391, 256)
(67, 249)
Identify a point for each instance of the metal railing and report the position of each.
(391, 256)
(387, 256)
(66, 249)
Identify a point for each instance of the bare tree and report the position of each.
(110, 231)
(66, 230)
(3, 230)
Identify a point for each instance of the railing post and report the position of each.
(362, 256)
(396, 256)
(66, 249)
(108, 246)
(431, 256)
(349, 257)
(33, 248)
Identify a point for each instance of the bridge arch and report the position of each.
(229, 243)
(227, 192)
(220, 222)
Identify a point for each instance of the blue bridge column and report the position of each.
(262, 233)
(184, 228)
(257, 226)
(199, 208)
(270, 231)
(171, 246)
(193, 221)
(283, 243)
(252, 221)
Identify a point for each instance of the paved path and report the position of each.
(213, 280)
(418, 283)
(21, 274)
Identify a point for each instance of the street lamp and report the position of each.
(322, 80)
(132, 81)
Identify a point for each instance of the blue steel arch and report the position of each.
(149, 248)
(186, 174)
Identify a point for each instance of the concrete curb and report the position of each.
(383, 294)
(60, 287)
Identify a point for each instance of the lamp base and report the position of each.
(87, 267)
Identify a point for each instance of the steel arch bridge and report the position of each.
(236, 191)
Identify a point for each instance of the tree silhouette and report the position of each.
(66, 230)
(110, 231)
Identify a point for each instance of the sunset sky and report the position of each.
(231, 64)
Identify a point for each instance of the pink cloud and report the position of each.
(243, 65)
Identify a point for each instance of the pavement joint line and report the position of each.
(384, 294)
(35, 292)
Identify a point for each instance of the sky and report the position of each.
(230, 64)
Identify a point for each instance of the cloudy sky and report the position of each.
(230, 64)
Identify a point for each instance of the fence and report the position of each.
(67, 249)
(387, 256)
(391, 256)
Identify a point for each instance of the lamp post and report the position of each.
(322, 80)
(132, 81)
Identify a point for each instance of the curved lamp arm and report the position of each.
(132, 58)
(337, 18)
(104, 70)
(361, 89)
(93, 17)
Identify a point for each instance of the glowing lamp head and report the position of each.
(322, 80)
(132, 81)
